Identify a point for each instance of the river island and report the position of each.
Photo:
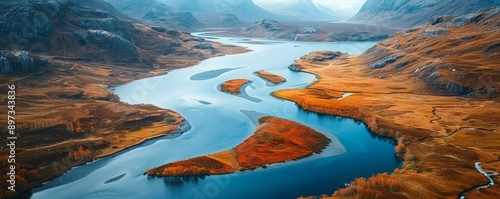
(275, 140)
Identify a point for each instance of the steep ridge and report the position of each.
(435, 89)
(244, 10)
(158, 13)
(408, 13)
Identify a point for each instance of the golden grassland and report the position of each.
(66, 116)
(274, 140)
(233, 86)
(441, 135)
(271, 77)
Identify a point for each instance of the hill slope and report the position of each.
(156, 12)
(245, 10)
(407, 13)
(435, 89)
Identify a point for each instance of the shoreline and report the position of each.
(266, 146)
(91, 98)
(392, 105)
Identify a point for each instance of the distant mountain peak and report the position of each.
(303, 10)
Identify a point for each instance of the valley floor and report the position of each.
(440, 137)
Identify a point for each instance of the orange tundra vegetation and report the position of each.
(435, 89)
(234, 86)
(271, 77)
(274, 140)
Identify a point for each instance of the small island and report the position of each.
(233, 86)
(270, 77)
(275, 140)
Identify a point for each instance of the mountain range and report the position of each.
(407, 13)
(298, 10)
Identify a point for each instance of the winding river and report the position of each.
(217, 123)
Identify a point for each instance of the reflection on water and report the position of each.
(218, 124)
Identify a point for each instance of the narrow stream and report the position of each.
(218, 123)
(491, 182)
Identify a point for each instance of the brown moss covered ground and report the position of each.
(275, 140)
(271, 77)
(441, 132)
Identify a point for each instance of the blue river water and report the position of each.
(218, 124)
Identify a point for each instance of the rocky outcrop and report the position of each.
(20, 61)
(407, 13)
(272, 29)
(27, 22)
(109, 24)
(387, 60)
(106, 40)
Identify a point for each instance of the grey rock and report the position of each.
(158, 28)
(113, 25)
(456, 88)
(295, 67)
(106, 40)
(27, 21)
(433, 32)
(427, 52)
(5, 65)
(492, 47)
(402, 64)
(20, 61)
(204, 46)
(468, 37)
(186, 39)
(376, 65)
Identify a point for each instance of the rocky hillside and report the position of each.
(273, 29)
(407, 13)
(157, 13)
(458, 55)
(203, 10)
(434, 89)
(87, 31)
(319, 32)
